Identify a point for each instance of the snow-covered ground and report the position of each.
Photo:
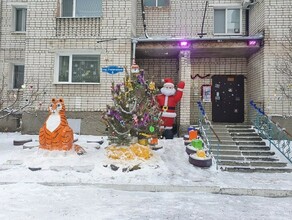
(167, 186)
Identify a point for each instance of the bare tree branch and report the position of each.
(284, 67)
(14, 102)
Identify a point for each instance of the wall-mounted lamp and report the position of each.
(252, 43)
(184, 44)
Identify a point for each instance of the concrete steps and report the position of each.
(250, 169)
(243, 150)
(251, 163)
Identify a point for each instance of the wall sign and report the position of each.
(206, 93)
(112, 69)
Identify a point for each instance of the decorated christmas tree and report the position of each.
(134, 113)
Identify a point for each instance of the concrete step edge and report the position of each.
(255, 169)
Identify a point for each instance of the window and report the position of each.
(81, 8)
(227, 21)
(18, 76)
(156, 3)
(20, 18)
(78, 68)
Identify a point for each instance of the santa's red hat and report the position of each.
(168, 82)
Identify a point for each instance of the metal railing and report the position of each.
(206, 131)
(271, 131)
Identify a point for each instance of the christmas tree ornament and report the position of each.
(151, 129)
(152, 85)
(135, 69)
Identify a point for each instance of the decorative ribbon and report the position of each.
(198, 75)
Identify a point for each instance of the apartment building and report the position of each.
(226, 51)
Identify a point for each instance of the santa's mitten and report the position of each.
(181, 85)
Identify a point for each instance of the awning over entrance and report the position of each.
(243, 46)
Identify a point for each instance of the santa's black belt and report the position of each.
(167, 107)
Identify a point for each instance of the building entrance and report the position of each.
(228, 98)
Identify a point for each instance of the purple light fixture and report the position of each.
(184, 44)
(252, 43)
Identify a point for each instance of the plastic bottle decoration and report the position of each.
(193, 134)
(153, 141)
(198, 144)
(201, 154)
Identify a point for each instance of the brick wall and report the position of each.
(181, 19)
(110, 36)
(74, 34)
(47, 34)
(278, 20)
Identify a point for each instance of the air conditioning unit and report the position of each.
(246, 3)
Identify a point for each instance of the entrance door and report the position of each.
(228, 98)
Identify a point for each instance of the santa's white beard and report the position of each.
(167, 91)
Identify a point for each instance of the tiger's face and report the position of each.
(56, 106)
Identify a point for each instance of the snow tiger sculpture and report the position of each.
(56, 133)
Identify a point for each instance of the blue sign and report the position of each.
(112, 69)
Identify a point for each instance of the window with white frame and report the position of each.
(227, 21)
(20, 13)
(156, 3)
(78, 68)
(81, 8)
(18, 76)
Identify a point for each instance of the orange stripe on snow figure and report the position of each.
(56, 133)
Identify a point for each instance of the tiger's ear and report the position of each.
(53, 99)
(61, 100)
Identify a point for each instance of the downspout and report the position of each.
(203, 22)
(144, 18)
(247, 22)
(134, 51)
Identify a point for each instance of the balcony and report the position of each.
(77, 27)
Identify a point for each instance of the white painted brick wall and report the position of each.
(38, 47)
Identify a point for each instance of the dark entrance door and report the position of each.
(228, 98)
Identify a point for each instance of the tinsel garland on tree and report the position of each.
(134, 112)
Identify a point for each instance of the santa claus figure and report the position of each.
(167, 101)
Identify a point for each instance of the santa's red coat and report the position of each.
(167, 105)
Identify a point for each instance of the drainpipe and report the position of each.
(247, 22)
(134, 51)
(204, 16)
(144, 18)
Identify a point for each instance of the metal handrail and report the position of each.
(272, 132)
(205, 130)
